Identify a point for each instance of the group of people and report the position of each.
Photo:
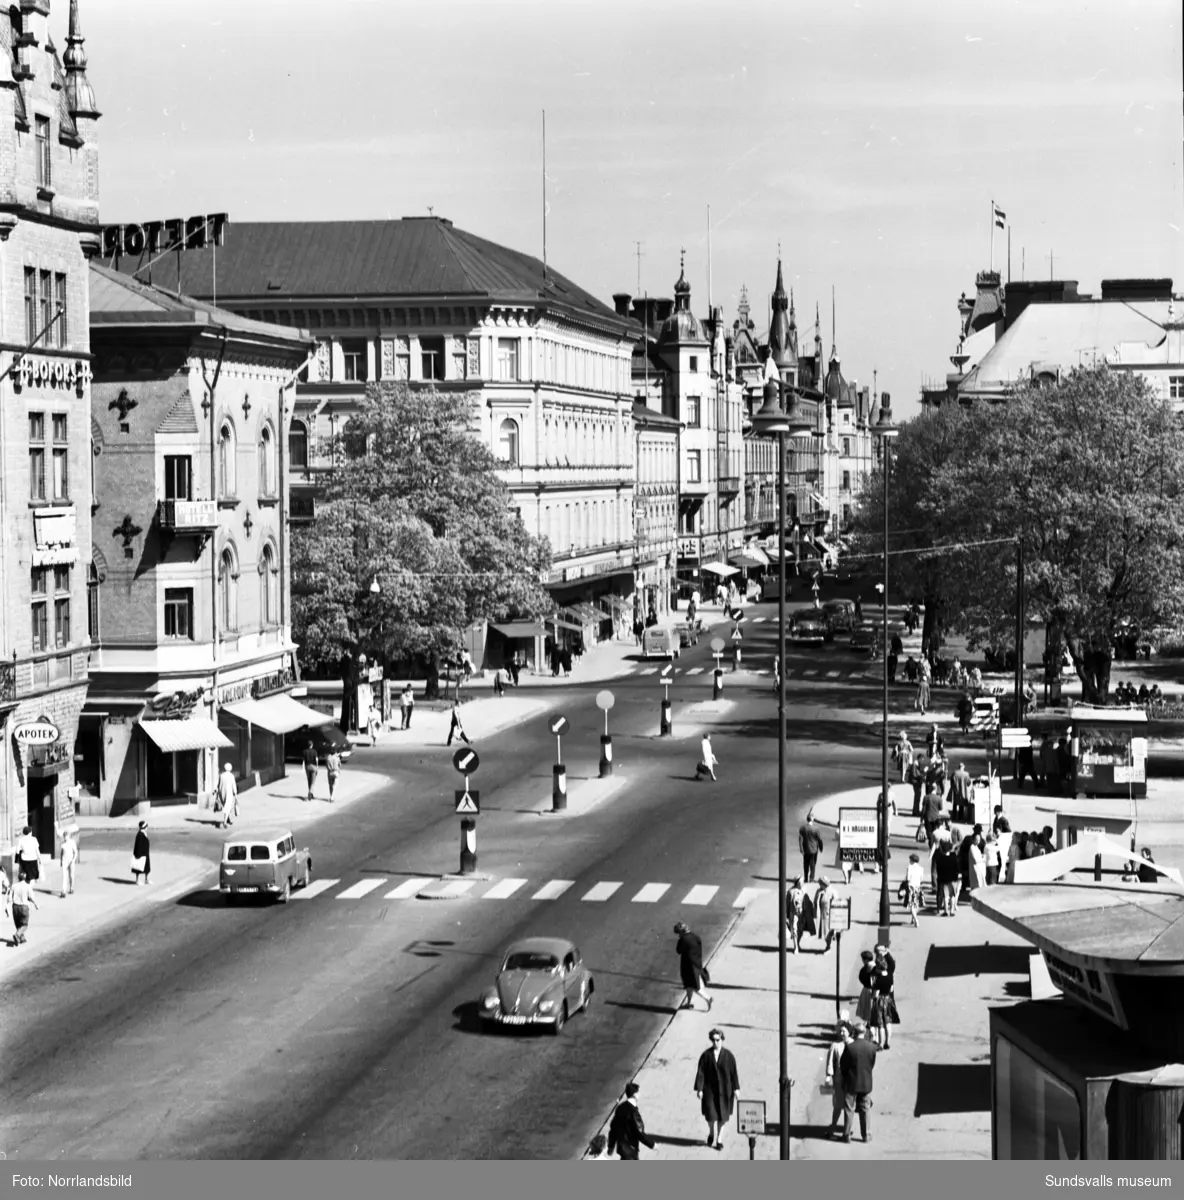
(850, 1068)
(1050, 765)
(1127, 693)
(809, 914)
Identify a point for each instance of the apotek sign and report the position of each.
(36, 733)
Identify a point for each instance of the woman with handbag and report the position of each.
(142, 855)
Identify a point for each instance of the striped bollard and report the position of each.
(606, 755)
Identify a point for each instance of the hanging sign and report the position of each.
(37, 733)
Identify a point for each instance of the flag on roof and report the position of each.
(1000, 217)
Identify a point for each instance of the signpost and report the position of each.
(605, 701)
(558, 726)
(736, 638)
(666, 678)
(858, 834)
(750, 1120)
(717, 649)
(468, 802)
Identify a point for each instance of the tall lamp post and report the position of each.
(774, 421)
(885, 430)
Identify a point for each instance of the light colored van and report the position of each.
(658, 642)
(264, 864)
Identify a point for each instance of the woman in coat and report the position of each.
(977, 875)
(142, 855)
(834, 1076)
(716, 1085)
(690, 965)
(863, 1008)
(822, 903)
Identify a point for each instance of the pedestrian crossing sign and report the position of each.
(468, 802)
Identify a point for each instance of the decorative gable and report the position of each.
(180, 418)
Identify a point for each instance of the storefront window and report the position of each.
(1037, 1116)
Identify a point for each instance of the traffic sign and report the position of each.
(466, 761)
(605, 700)
(717, 645)
(736, 634)
(468, 802)
(667, 672)
(737, 614)
(559, 725)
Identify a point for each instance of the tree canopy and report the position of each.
(1088, 473)
(414, 502)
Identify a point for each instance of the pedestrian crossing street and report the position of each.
(602, 892)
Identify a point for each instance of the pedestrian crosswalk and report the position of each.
(699, 895)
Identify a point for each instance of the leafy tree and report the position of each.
(413, 502)
(1090, 475)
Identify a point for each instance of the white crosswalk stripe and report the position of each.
(747, 895)
(407, 889)
(648, 671)
(650, 894)
(602, 891)
(833, 674)
(758, 620)
(701, 893)
(696, 670)
(360, 889)
(454, 888)
(504, 890)
(314, 889)
(553, 890)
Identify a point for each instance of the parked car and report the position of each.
(809, 629)
(866, 636)
(542, 981)
(660, 642)
(264, 864)
(325, 739)
(840, 615)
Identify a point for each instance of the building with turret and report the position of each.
(49, 214)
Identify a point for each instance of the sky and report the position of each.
(864, 142)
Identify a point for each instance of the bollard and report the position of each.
(736, 657)
(559, 788)
(718, 688)
(606, 755)
(468, 845)
(667, 727)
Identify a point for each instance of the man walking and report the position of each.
(456, 729)
(407, 705)
(28, 855)
(856, 1067)
(960, 792)
(311, 768)
(333, 770)
(626, 1131)
(68, 857)
(707, 761)
(227, 796)
(18, 901)
(810, 843)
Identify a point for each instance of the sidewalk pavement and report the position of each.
(932, 1088)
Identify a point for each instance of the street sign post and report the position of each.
(666, 727)
(468, 802)
(605, 701)
(466, 761)
(558, 726)
(750, 1120)
(717, 648)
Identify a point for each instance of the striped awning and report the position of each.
(520, 629)
(194, 733)
(277, 714)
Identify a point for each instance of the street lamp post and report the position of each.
(885, 431)
(774, 421)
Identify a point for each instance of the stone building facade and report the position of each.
(655, 507)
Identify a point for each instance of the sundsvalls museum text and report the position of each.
(71, 1181)
(1105, 1181)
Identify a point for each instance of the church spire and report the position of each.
(80, 96)
(780, 347)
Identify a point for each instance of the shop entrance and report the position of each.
(42, 797)
(171, 774)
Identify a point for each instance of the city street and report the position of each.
(341, 1025)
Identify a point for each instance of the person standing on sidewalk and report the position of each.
(227, 796)
(142, 855)
(333, 770)
(456, 729)
(912, 881)
(691, 970)
(312, 768)
(856, 1067)
(626, 1131)
(811, 844)
(884, 1014)
(863, 1007)
(18, 901)
(407, 705)
(822, 903)
(716, 1083)
(834, 1075)
(28, 855)
(708, 761)
(68, 857)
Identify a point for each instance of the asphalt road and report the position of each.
(339, 1028)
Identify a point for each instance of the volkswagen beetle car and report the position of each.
(840, 616)
(865, 636)
(542, 982)
(809, 628)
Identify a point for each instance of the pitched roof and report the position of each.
(422, 257)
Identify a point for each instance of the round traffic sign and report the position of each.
(465, 760)
(737, 614)
(559, 725)
(667, 671)
(717, 644)
(605, 700)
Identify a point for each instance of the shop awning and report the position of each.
(748, 560)
(276, 714)
(520, 629)
(564, 623)
(194, 733)
(718, 568)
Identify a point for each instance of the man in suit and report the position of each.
(856, 1066)
(626, 1131)
(960, 794)
(811, 844)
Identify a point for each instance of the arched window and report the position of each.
(508, 442)
(92, 603)
(228, 590)
(226, 475)
(266, 463)
(268, 587)
(298, 446)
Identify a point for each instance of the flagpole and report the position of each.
(992, 235)
(1009, 252)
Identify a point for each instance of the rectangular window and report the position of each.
(61, 623)
(92, 608)
(354, 355)
(694, 362)
(1176, 387)
(45, 306)
(59, 291)
(40, 626)
(30, 305)
(846, 446)
(61, 451)
(431, 357)
(44, 161)
(692, 413)
(846, 481)
(507, 360)
(694, 466)
(177, 477)
(36, 456)
(61, 580)
(178, 613)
